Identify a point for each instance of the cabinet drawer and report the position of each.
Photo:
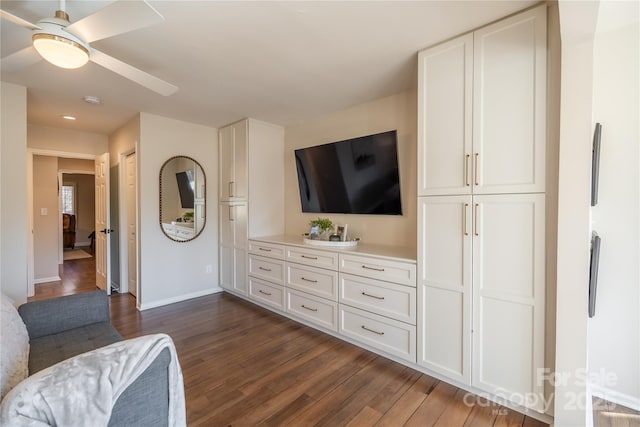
(313, 258)
(390, 336)
(266, 293)
(266, 268)
(266, 249)
(386, 299)
(403, 273)
(313, 309)
(316, 281)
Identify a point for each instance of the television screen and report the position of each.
(185, 188)
(355, 176)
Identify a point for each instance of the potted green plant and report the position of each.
(320, 226)
(188, 216)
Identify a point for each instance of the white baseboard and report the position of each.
(178, 298)
(83, 244)
(616, 397)
(46, 280)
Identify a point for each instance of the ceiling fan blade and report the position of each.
(19, 60)
(117, 18)
(125, 70)
(17, 20)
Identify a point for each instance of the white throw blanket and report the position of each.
(82, 390)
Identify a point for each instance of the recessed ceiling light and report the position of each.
(68, 117)
(94, 100)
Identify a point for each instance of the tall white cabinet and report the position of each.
(251, 194)
(481, 207)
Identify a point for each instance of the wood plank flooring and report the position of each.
(607, 414)
(246, 366)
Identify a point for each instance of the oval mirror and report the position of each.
(182, 198)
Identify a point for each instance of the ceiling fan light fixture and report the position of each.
(60, 51)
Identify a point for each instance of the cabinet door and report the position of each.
(240, 159)
(227, 267)
(225, 162)
(509, 112)
(233, 151)
(444, 285)
(239, 219)
(233, 244)
(509, 295)
(444, 118)
(240, 271)
(233, 224)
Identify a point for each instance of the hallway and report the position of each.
(78, 275)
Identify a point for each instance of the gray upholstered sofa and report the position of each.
(64, 327)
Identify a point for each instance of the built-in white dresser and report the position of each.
(366, 294)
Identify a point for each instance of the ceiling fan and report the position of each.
(67, 45)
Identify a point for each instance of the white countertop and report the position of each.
(399, 253)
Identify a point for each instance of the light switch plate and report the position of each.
(43, 211)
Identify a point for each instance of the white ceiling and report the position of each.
(282, 62)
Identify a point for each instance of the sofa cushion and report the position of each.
(52, 316)
(14, 350)
(51, 349)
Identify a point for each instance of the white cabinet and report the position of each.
(388, 335)
(481, 207)
(266, 271)
(233, 246)
(445, 91)
(444, 285)
(179, 232)
(482, 110)
(251, 194)
(366, 298)
(509, 294)
(232, 143)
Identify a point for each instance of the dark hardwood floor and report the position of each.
(246, 366)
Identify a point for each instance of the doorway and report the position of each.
(46, 172)
(128, 212)
(76, 189)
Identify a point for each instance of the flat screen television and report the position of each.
(186, 186)
(354, 176)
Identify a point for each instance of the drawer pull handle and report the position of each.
(373, 268)
(372, 296)
(309, 280)
(309, 308)
(264, 249)
(264, 268)
(263, 292)
(371, 330)
(309, 257)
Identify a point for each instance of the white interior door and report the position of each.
(132, 265)
(102, 230)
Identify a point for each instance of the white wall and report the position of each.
(76, 165)
(124, 140)
(577, 25)
(393, 112)
(47, 138)
(614, 332)
(45, 225)
(173, 271)
(13, 191)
